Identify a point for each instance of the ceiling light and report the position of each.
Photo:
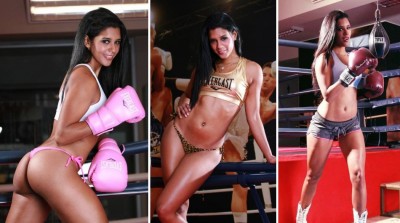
(119, 9)
(316, 1)
(291, 31)
(46, 10)
(389, 3)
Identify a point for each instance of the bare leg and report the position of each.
(317, 154)
(190, 174)
(155, 192)
(239, 193)
(353, 148)
(26, 205)
(63, 189)
(183, 175)
(171, 155)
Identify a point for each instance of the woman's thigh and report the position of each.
(171, 151)
(353, 149)
(63, 189)
(317, 153)
(188, 176)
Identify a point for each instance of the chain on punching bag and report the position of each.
(379, 41)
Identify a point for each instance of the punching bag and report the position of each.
(378, 39)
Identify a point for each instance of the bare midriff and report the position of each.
(341, 109)
(207, 123)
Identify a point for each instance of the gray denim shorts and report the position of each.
(323, 128)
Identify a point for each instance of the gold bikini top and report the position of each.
(230, 86)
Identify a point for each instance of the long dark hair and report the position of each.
(326, 41)
(207, 58)
(91, 25)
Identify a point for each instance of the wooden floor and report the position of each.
(334, 187)
(381, 219)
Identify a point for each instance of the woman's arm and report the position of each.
(157, 75)
(80, 92)
(323, 72)
(183, 109)
(254, 79)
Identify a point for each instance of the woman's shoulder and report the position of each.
(82, 70)
(251, 65)
(250, 62)
(253, 71)
(321, 57)
(322, 62)
(82, 75)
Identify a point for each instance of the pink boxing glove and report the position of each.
(122, 105)
(108, 171)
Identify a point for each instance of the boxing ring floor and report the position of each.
(332, 202)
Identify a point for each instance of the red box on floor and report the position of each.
(332, 202)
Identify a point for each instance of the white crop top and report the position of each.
(337, 69)
(92, 108)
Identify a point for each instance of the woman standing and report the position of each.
(337, 74)
(221, 83)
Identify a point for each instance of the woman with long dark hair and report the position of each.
(46, 178)
(337, 75)
(221, 83)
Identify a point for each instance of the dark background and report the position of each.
(178, 25)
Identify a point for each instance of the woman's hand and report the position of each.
(184, 110)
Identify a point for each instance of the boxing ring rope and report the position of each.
(302, 71)
(308, 117)
(305, 71)
(362, 104)
(132, 220)
(305, 45)
(247, 167)
(249, 174)
(297, 44)
(297, 109)
(289, 95)
(14, 156)
(133, 188)
(245, 180)
(295, 70)
(297, 132)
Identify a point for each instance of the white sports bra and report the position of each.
(92, 108)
